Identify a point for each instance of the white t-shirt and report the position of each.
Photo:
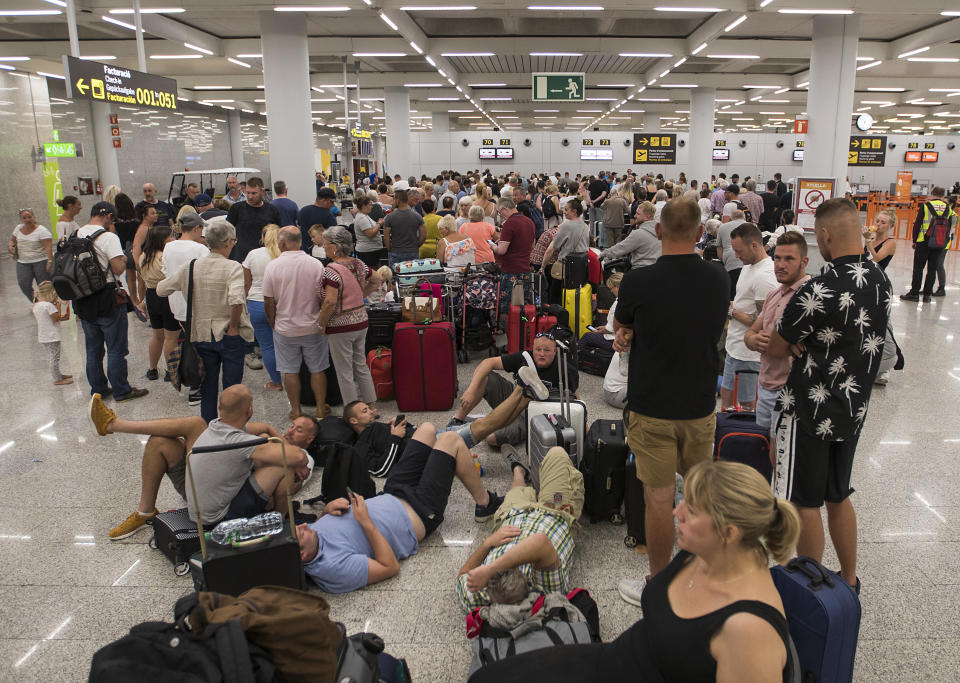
(66, 228)
(756, 281)
(29, 248)
(613, 309)
(616, 378)
(175, 254)
(47, 330)
(705, 212)
(107, 246)
(256, 262)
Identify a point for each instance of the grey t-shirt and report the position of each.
(363, 222)
(219, 475)
(404, 227)
(573, 237)
(730, 260)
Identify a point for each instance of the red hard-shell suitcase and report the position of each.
(424, 366)
(545, 323)
(521, 327)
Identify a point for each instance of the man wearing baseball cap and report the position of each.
(103, 315)
(204, 206)
(317, 213)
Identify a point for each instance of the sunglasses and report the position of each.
(548, 335)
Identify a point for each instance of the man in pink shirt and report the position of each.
(789, 265)
(292, 295)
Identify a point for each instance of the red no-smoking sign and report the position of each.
(813, 199)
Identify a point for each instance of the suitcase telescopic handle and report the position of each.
(813, 570)
(230, 447)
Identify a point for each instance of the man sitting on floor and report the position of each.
(171, 438)
(358, 543)
(534, 537)
(495, 388)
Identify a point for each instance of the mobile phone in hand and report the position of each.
(591, 328)
(350, 494)
(398, 419)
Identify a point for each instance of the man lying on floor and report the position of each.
(227, 476)
(533, 547)
(360, 542)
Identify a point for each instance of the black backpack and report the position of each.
(157, 652)
(77, 272)
(938, 232)
(747, 214)
(344, 466)
(549, 208)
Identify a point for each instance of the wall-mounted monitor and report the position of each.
(721, 154)
(798, 155)
(504, 152)
(913, 157)
(930, 157)
(488, 153)
(596, 155)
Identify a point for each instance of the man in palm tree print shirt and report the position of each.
(835, 327)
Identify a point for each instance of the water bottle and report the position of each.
(243, 529)
(476, 463)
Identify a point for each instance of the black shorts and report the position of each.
(809, 470)
(423, 477)
(161, 317)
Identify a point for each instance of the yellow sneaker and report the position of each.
(100, 415)
(131, 525)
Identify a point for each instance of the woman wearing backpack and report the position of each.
(31, 246)
(551, 207)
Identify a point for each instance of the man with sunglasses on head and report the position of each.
(495, 388)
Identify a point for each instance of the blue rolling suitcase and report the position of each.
(739, 439)
(823, 611)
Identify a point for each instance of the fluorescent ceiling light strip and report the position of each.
(416, 47)
(488, 85)
(733, 24)
(16, 59)
(213, 87)
(886, 89)
(250, 55)
(566, 8)
(430, 61)
(679, 85)
(93, 58)
(111, 20)
(701, 47)
(7, 67)
(468, 54)
(942, 60)
(869, 66)
(679, 62)
(733, 56)
(311, 8)
(190, 56)
(438, 8)
(29, 12)
(443, 99)
(49, 75)
(145, 10)
(238, 62)
(651, 55)
(910, 53)
(703, 10)
(804, 10)
(556, 54)
(389, 22)
(58, 3)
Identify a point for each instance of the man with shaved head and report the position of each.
(292, 294)
(835, 326)
(165, 212)
(171, 438)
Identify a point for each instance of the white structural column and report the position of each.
(236, 139)
(833, 69)
(440, 122)
(286, 79)
(396, 109)
(702, 102)
(651, 122)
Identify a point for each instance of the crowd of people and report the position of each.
(802, 349)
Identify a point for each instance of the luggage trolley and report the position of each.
(477, 310)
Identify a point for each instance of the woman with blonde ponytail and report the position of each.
(713, 614)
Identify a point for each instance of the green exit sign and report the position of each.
(558, 87)
(59, 149)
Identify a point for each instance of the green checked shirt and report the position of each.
(533, 520)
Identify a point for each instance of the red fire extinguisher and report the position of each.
(99, 187)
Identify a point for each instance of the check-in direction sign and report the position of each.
(654, 148)
(100, 82)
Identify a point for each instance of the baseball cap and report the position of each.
(326, 193)
(401, 185)
(733, 188)
(191, 220)
(202, 199)
(102, 209)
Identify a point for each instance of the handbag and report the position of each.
(421, 309)
(190, 368)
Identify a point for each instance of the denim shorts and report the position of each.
(766, 408)
(747, 381)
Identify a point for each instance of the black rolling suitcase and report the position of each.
(634, 509)
(175, 535)
(381, 319)
(271, 560)
(604, 470)
(594, 360)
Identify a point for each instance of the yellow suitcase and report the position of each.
(580, 308)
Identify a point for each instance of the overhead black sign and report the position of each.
(604, 142)
(913, 145)
(112, 84)
(654, 148)
(867, 150)
(719, 143)
(588, 142)
(487, 142)
(504, 141)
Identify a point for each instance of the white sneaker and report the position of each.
(253, 362)
(531, 380)
(882, 378)
(631, 590)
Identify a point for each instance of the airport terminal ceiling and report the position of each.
(475, 61)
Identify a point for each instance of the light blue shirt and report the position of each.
(343, 549)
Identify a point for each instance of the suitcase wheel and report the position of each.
(617, 519)
(630, 541)
(181, 568)
(462, 356)
(152, 543)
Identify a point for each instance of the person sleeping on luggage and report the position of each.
(495, 388)
(714, 614)
(358, 542)
(533, 547)
(171, 438)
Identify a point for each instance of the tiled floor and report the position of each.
(66, 590)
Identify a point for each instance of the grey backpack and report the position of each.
(489, 648)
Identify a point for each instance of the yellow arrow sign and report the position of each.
(81, 87)
(642, 141)
(854, 143)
